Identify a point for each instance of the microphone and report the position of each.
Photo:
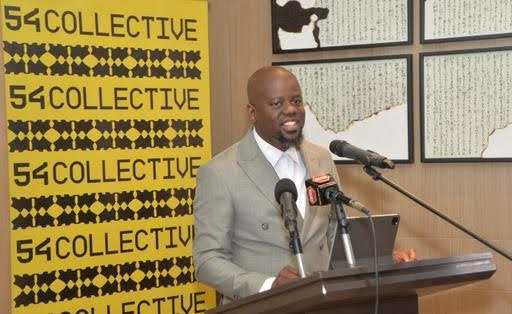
(366, 157)
(321, 190)
(285, 193)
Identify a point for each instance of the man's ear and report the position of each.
(252, 112)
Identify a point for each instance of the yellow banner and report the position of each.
(108, 121)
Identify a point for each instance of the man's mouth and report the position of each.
(290, 126)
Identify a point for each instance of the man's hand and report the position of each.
(404, 255)
(285, 275)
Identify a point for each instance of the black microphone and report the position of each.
(366, 157)
(286, 195)
(321, 190)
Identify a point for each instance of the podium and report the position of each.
(352, 290)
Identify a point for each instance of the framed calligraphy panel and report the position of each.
(466, 105)
(453, 20)
(365, 101)
(305, 25)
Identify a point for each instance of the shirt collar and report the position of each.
(273, 154)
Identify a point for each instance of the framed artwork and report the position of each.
(305, 25)
(454, 20)
(365, 101)
(466, 105)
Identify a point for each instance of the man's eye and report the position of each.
(297, 101)
(276, 104)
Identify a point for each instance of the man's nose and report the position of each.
(289, 108)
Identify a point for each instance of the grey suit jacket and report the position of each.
(240, 239)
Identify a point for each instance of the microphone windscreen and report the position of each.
(336, 147)
(285, 185)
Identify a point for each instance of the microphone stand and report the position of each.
(296, 247)
(378, 176)
(335, 198)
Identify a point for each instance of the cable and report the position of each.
(356, 205)
(375, 263)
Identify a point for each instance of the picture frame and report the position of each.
(366, 101)
(466, 105)
(297, 26)
(449, 20)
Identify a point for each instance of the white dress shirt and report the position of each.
(287, 164)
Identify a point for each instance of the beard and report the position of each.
(291, 142)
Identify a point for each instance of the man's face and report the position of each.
(277, 110)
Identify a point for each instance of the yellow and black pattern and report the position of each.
(62, 135)
(61, 210)
(57, 59)
(108, 122)
(67, 284)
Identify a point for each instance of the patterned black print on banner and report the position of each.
(101, 280)
(61, 210)
(56, 59)
(61, 135)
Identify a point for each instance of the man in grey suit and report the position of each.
(241, 244)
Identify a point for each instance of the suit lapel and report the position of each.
(262, 174)
(257, 168)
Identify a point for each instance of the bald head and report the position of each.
(262, 80)
(275, 106)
